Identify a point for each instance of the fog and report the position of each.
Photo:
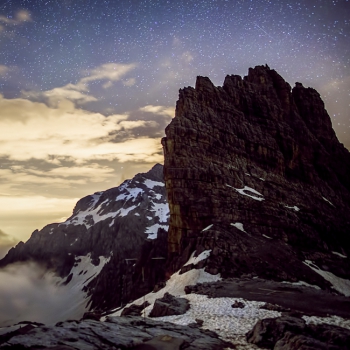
(30, 293)
(6, 243)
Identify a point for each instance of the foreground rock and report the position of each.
(116, 333)
(256, 175)
(169, 306)
(292, 333)
(134, 309)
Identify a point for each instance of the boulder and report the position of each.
(134, 310)
(292, 333)
(169, 305)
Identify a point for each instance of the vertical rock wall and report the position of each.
(254, 172)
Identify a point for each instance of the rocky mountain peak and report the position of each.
(255, 173)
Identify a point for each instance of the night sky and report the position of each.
(87, 87)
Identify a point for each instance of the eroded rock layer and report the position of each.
(255, 173)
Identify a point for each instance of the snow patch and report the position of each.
(125, 211)
(328, 201)
(239, 226)
(195, 260)
(175, 286)
(161, 210)
(294, 207)
(251, 190)
(267, 236)
(74, 242)
(207, 228)
(341, 255)
(339, 284)
(150, 183)
(219, 316)
(153, 230)
(95, 198)
(132, 193)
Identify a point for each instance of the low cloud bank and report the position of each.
(30, 293)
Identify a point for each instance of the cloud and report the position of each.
(129, 82)
(69, 92)
(6, 243)
(159, 110)
(35, 130)
(30, 293)
(3, 70)
(20, 17)
(106, 74)
(50, 157)
(11, 204)
(107, 85)
(107, 71)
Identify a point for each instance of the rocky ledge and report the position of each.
(292, 333)
(115, 333)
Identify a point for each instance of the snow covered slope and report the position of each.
(118, 231)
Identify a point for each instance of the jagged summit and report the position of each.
(254, 172)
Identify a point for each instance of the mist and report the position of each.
(6, 243)
(30, 293)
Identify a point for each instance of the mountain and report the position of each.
(255, 174)
(105, 250)
(258, 242)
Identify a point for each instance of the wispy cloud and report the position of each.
(3, 70)
(159, 110)
(107, 71)
(29, 292)
(20, 17)
(106, 74)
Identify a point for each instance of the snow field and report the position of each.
(219, 316)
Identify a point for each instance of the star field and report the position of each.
(115, 67)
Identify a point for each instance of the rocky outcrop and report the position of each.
(292, 333)
(115, 333)
(134, 309)
(169, 306)
(254, 172)
(114, 241)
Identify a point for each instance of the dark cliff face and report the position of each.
(119, 230)
(255, 173)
